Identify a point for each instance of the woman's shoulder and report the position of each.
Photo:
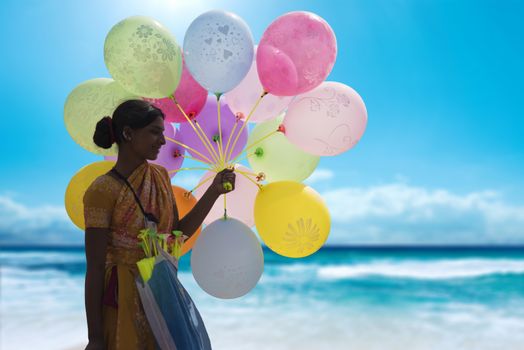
(105, 182)
(104, 186)
(160, 169)
(99, 201)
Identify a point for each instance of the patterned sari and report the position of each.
(109, 203)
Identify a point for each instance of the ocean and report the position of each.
(382, 298)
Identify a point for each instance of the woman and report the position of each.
(114, 207)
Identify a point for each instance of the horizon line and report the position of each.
(330, 246)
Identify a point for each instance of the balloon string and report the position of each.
(245, 172)
(250, 179)
(200, 184)
(229, 139)
(216, 157)
(197, 160)
(201, 136)
(246, 157)
(195, 168)
(208, 141)
(211, 151)
(254, 143)
(225, 207)
(220, 145)
(189, 148)
(264, 93)
(193, 158)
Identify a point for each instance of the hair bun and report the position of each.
(104, 136)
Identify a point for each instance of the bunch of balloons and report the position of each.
(209, 91)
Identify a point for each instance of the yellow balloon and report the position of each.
(77, 187)
(144, 57)
(291, 218)
(86, 105)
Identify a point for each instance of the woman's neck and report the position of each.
(127, 162)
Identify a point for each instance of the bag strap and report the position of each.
(148, 216)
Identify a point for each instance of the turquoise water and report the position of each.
(339, 298)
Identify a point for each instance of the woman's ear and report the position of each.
(126, 133)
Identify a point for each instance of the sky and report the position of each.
(442, 158)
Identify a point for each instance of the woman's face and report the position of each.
(146, 142)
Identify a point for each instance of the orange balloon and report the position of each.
(184, 205)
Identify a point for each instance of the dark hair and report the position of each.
(136, 114)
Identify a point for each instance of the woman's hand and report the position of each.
(224, 182)
(193, 220)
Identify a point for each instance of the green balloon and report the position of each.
(276, 156)
(143, 56)
(86, 105)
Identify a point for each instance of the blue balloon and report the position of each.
(218, 50)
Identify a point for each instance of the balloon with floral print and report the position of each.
(326, 121)
(143, 56)
(291, 218)
(296, 53)
(89, 102)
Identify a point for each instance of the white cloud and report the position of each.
(319, 175)
(395, 213)
(13, 213)
(403, 214)
(20, 224)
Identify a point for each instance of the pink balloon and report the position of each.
(296, 53)
(277, 71)
(326, 121)
(189, 94)
(240, 202)
(244, 97)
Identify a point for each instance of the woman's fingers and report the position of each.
(231, 178)
(227, 171)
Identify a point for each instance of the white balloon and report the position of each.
(227, 260)
(218, 50)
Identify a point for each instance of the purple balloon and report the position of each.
(208, 121)
(170, 155)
